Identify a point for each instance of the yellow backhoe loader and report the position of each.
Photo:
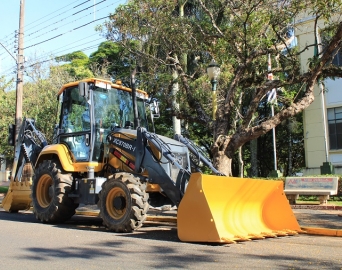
(103, 154)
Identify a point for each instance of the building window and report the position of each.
(325, 38)
(335, 128)
(337, 61)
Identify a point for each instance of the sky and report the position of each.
(51, 28)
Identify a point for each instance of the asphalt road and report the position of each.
(83, 243)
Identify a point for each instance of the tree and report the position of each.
(111, 59)
(39, 101)
(78, 65)
(7, 105)
(239, 35)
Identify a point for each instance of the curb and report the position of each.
(322, 231)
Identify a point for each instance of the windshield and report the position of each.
(114, 108)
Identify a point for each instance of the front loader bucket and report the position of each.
(17, 197)
(228, 209)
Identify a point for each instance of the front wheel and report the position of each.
(50, 189)
(123, 203)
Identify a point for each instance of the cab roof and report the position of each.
(103, 83)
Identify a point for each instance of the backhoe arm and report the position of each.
(29, 144)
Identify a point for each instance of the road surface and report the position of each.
(83, 243)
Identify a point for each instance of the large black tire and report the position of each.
(50, 189)
(123, 203)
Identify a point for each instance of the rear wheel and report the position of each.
(123, 203)
(50, 189)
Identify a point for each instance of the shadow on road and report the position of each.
(150, 230)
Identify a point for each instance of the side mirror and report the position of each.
(154, 108)
(83, 89)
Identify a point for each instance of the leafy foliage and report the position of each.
(78, 66)
(240, 35)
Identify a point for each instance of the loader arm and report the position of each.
(145, 160)
(198, 153)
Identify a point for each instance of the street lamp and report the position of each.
(213, 72)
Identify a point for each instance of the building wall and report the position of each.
(333, 99)
(314, 135)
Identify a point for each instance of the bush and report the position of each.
(3, 189)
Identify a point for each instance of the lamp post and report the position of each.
(213, 72)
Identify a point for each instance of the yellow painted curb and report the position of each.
(87, 213)
(322, 231)
(162, 219)
(149, 218)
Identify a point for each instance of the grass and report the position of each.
(3, 189)
(336, 203)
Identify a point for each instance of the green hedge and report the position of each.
(3, 189)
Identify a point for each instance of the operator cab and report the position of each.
(90, 110)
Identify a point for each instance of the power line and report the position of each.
(39, 24)
(56, 28)
(44, 17)
(89, 7)
(48, 60)
(53, 17)
(82, 3)
(65, 32)
(51, 14)
(8, 70)
(59, 51)
(49, 20)
(62, 20)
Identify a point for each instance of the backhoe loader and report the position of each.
(99, 156)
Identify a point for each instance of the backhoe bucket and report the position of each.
(18, 196)
(228, 209)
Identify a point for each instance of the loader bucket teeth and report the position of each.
(17, 197)
(227, 209)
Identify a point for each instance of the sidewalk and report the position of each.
(319, 221)
(4, 183)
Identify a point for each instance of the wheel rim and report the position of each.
(116, 203)
(43, 190)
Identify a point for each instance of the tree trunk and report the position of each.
(175, 89)
(222, 163)
(254, 157)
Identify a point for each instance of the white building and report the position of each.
(322, 120)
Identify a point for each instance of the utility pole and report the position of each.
(20, 70)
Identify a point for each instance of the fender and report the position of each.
(66, 159)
